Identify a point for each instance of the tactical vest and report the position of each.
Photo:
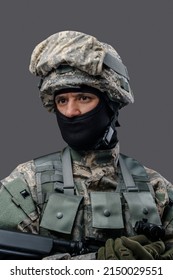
(115, 212)
(61, 209)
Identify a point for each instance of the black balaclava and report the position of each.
(94, 130)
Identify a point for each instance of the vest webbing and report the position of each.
(134, 175)
(54, 173)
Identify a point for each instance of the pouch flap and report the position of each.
(106, 210)
(142, 206)
(60, 212)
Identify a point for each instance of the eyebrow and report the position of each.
(75, 94)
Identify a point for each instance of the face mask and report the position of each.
(85, 132)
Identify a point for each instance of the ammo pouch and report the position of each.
(60, 212)
(55, 182)
(137, 192)
(141, 206)
(106, 210)
(17, 204)
(132, 191)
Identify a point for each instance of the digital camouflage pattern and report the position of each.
(84, 55)
(70, 59)
(93, 171)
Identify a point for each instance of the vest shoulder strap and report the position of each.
(134, 175)
(135, 167)
(51, 169)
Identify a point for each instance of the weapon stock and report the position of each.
(18, 245)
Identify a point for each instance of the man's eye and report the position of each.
(84, 98)
(60, 100)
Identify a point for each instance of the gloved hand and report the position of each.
(167, 255)
(138, 247)
(150, 251)
(114, 250)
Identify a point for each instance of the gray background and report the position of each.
(141, 31)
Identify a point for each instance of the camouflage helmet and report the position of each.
(70, 59)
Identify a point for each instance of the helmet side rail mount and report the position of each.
(113, 63)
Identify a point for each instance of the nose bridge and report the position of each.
(72, 108)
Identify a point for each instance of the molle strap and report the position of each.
(48, 175)
(67, 172)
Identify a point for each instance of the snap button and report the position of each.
(145, 211)
(106, 213)
(59, 215)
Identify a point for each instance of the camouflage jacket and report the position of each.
(95, 171)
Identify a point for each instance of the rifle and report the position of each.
(19, 245)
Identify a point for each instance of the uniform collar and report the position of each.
(96, 157)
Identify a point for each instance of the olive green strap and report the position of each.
(67, 172)
(134, 175)
(127, 177)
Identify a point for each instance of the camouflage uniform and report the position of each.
(93, 171)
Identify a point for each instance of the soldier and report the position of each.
(89, 191)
